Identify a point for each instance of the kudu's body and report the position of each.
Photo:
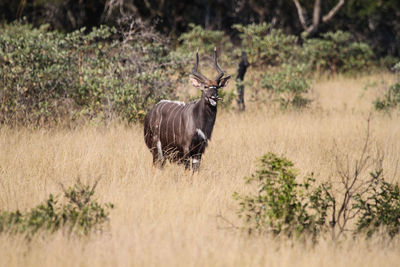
(179, 132)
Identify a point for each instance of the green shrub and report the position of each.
(336, 52)
(228, 96)
(36, 72)
(388, 62)
(380, 209)
(48, 76)
(204, 41)
(267, 46)
(282, 205)
(391, 98)
(80, 215)
(287, 85)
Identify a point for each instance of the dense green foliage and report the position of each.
(121, 72)
(265, 45)
(80, 215)
(375, 22)
(79, 75)
(380, 209)
(287, 82)
(391, 98)
(336, 52)
(282, 205)
(287, 85)
(204, 41)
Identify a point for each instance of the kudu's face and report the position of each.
(209, 87)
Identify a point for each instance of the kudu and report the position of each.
(178, 131)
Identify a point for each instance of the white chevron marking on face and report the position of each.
(212, 102)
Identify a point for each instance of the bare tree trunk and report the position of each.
(313, 27)
(242, 68)
(316, 14)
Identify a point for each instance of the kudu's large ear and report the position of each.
(224, 81)
(196, 82)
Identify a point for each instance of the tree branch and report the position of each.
(333, 11)
(316, 15)
(300, 13)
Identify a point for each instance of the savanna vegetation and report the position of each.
(306, 176)
(168, 218)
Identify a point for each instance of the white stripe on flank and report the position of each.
(168, 116)
(159, 149)
(173, 121)
(170, 112)
(195, 161)
(154, 110)
(180, 122)
(201, 134)
(186, 108)
(159, 127)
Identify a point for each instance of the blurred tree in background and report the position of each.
(376, 22)
(74, 60)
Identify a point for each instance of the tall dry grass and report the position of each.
(165, 218)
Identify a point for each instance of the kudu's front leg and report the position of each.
(186, 160)
(158, 162)
(158, 157)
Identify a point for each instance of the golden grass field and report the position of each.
(165, 218)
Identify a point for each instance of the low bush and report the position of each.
(204, 41)
(380, 209)
(266, 46)
(288, 86)
(80, 215)
(391, 98)
(336, 52)
(48, 76)
(282, 205)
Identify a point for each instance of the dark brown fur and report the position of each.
(180, 132)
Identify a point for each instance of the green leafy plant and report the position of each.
(282, 205)
(391, 98)
(288, 86)
(80, 214)
(265, 45)
(336, 52)
(380, 209)
(204, 41)
(360, 203)
(228, 96)
(107, 73)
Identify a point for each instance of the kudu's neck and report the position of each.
(205, 116)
